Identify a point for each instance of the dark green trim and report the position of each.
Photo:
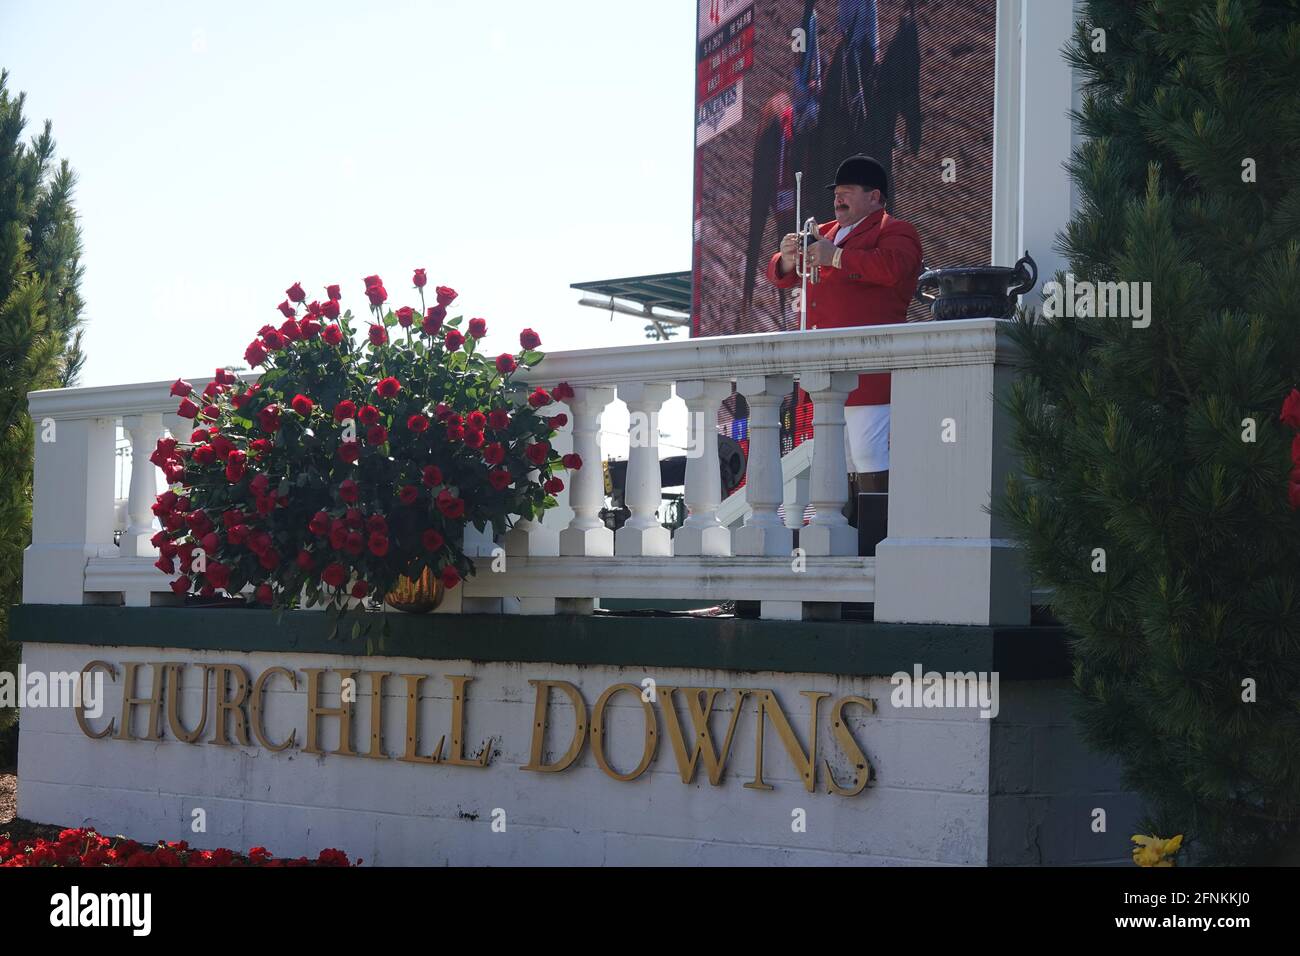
(835, 647)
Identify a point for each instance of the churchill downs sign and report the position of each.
(239, 702)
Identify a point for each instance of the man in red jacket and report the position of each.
(868, 262)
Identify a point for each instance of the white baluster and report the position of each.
(829, 531)
(643, 534)
(72, 506)
(702, 533)
(586, 533)
(144, 432)
(763, 532)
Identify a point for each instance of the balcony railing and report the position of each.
(946, 559)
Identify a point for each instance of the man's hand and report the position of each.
(789, 252)
(821, 252)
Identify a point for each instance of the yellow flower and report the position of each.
(1153, 851)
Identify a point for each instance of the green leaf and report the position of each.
(454, 322)
(532, 357)
(390, 319)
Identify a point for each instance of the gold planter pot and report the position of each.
(416, 595)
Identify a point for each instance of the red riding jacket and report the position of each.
(873, 286)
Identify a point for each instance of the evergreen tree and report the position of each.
(40, 324)
(1154, 493)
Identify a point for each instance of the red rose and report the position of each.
(235, 465)
(494, 453)
(417, 423)
(338, 536)
(1291, 409)
(349, 491)
(166, 565)
(290, 330)
(499, 478)
(558, 421)
(255, 354)
(432, 539)
(454, 340)
(305, 560)
(264, 594)
(378, 335)
(217, 574)
(506, 363)
(372, 280)
(344, 410)
(499, 418)
(295, 293)
(334, 575)
(431, 475)
(378, 545)
(212, 388)
(187, 409)
(388, 387)
(450, 577)
(314, 308)
(181, 586)
(446, 295)
(204, 455)
(368, 415)
(286, 309)
(349, 452)
(419, 279)
(237, 534)
(360, 589)
(181, 388)
(224, 376)
(539, 398)
(330, 309)
(478, 328)
(474, 439)
(562, 391)
(455, 432)
(310, 328)
(375, 524)
(274, 340)
(529, 339)
(302, 405)
(211, 411)
(269, 418)
(354, 544)
(408, 494)
(476, 420)
(377, 295)
(376, 435)
(442, 411)
(449, 504)
(333, 335)
(319, 524)
(553, 486)
(572, 460)
(433, 319)
(405, 316)
(333, 293)
(537, 452)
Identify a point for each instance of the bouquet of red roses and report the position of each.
(347, 466)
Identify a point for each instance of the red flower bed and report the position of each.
(85, 847)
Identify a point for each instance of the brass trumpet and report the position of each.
(807, 233)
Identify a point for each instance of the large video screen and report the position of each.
(798, 85)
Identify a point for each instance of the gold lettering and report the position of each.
(805, 763)
(862, 769)
(699, 702)
(376, 750)
(315, 711)
(154, 700)
(226, 704)
(174, 681)
(257, 716)
(598, 733)
(457, 757)
(80, 710)
(540, 712)
(413, 724)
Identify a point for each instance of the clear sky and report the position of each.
(226, 150)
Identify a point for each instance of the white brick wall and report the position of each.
(929, 801)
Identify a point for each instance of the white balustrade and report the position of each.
(946, 559)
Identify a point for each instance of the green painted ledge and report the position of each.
(858, 648)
